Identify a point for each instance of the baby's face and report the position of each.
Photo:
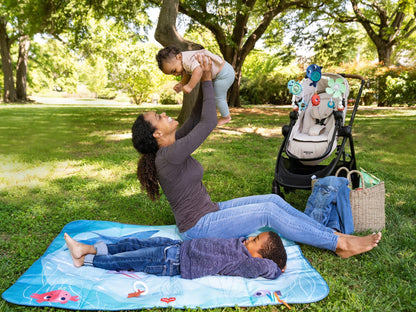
(173, 66)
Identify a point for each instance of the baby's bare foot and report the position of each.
(349, 245)
(223, 120)
(77, 250)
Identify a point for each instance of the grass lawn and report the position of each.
(60, 163)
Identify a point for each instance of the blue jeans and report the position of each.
(156, 255)
(243, 216)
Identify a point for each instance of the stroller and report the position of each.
(314, 144)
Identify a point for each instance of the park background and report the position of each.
(107, 49)
(76, 73)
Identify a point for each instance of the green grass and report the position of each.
(60, 163)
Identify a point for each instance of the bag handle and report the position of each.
(341, 169)
(360, 175)
(349, 172)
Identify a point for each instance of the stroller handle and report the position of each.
(353, 76)
(357, 100)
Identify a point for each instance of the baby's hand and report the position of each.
(186, 89)
(178, 87)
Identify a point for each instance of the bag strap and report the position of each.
(360, 175)
(341, 169)
(349, 172)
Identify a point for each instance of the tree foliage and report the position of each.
(237, 26)
(340, 43)
(21, 20)
(387, 23)
(53, 66)
(136, 71)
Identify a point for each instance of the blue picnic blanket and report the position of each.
(53, 281)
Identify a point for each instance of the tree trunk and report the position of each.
(167, 35)
(9, 93)
(21, 70)
(384, 57)
(384, 54)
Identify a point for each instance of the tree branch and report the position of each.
(166, 33)
(207, 20)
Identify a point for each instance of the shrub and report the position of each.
(398, 87)
(386, 86)
(107, 94)
(266, 89)
(168, 96)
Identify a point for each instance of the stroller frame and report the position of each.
(291, 173)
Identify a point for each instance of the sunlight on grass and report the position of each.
(131, 191)
(378, 112)
(203, 150)
(14, 173)
(100, 173)
(265, 132)
(118, 137)
(19, 174)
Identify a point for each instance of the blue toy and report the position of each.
(313, 72)
(294, 87)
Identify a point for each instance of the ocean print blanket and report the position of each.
(53, 281)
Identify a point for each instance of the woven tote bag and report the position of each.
(367, 204)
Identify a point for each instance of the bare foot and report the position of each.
(78, 250)
(350, 245)
(223, 120)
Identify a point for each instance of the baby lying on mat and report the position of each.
(263, 255)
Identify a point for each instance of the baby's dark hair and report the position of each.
(166, 54)
(274, 250)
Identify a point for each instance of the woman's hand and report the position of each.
(206, 65)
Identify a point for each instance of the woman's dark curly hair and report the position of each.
(145, 143)
(166, 54)
(274, 250)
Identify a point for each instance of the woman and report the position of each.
(166, 161)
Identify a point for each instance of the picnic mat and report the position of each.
(53, 281)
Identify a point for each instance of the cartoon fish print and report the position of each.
(61, 296)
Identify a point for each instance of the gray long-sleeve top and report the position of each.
(212, 256)
(180, 175)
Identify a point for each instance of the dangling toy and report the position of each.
(316, 100)
(302, 105)
(295, 88)
(336, 89)
(313, 72)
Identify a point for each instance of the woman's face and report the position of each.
(161, 122)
